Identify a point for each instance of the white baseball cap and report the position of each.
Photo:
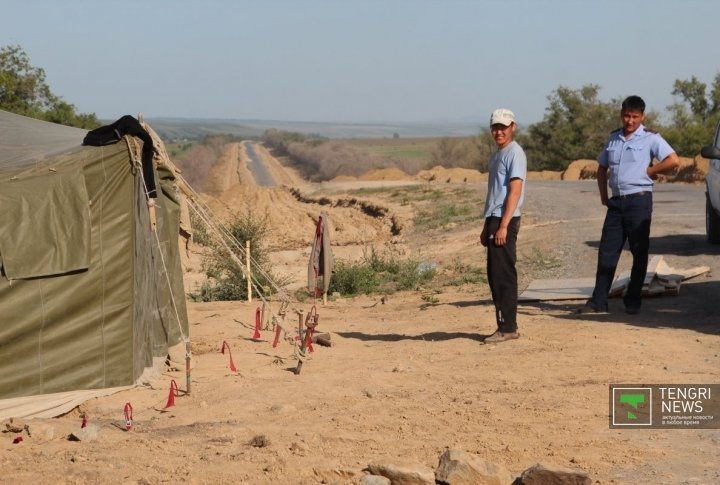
(503, 117)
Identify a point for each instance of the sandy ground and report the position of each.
(408, 377)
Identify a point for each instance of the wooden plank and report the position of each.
(560, 289)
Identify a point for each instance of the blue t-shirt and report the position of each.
(505, 164)
(628, 159)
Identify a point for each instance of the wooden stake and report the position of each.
(247, 266)
(301, 335)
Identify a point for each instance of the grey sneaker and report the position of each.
(499, 336)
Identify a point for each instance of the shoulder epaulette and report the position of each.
(651, 131)
(615, 131)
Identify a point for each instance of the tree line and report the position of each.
(575, 126)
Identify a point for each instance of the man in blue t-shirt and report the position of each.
(505, 195)
(626, 164)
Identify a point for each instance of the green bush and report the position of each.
(200, 234)
(377, 273)
(225, 280)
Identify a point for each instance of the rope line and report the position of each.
(183, 337)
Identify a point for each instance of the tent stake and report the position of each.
(247, 265)
(188, 374)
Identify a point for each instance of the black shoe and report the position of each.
(632, 310)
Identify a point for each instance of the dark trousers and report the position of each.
(502, 275)
(628, 219)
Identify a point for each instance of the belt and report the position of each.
(630, 196)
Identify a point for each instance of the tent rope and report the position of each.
(228, 242)
(233, 247)
(183, 337)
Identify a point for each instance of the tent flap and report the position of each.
(45, 228)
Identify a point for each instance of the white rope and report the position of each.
(228, 242)
(231, 244)
(184, 338)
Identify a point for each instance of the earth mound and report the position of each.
(452, 175)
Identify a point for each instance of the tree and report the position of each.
(467, 152)
(575, 126)
(23, 90)
(694, 116)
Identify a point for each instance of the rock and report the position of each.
(333, 475)
(541, 475)
(457, 467)
(406, 474)
(88, 433)
(374, 480)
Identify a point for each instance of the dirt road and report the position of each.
(257, 166)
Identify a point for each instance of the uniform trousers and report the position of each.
(628, 219)
(502, 275)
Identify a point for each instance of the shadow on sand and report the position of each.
(676, 244)
(694, 308)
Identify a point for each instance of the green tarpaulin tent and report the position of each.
(90, 295)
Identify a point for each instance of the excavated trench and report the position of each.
(372, 210)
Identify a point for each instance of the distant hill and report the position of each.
(173, 129)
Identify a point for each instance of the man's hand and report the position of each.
(668, 164)
(483, 236)
(501, 236)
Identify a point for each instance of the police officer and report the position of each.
(626, 164)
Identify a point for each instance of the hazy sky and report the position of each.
(361, 60)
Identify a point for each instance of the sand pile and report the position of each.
(344, 178)
(452, 175)
(384, 174)
(691, 170)
(544, 175)
(581, 170)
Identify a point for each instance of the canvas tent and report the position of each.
(90, 295)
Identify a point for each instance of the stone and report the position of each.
(374, 480)
(333, 475)
(457, 467)
(405, 474)
(88, 433)
(539, 474)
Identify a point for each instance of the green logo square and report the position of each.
(632, 406)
